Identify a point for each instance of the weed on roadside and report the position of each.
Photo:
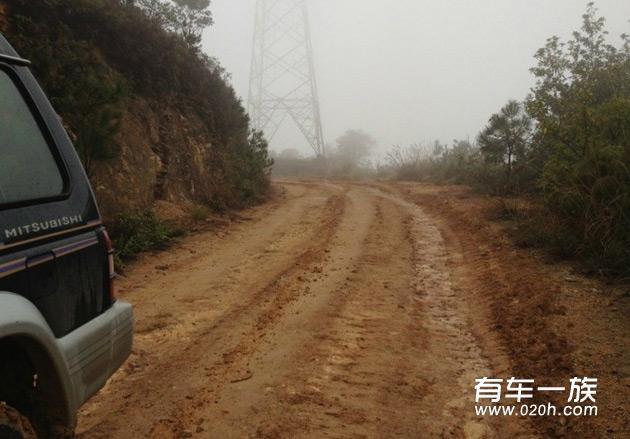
(136, 232)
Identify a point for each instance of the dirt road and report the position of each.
(335, 310)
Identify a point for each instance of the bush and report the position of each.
(136, 232)
(251, 168)
(199, 213)
(584, 125)
(591, 198)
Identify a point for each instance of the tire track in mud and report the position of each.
(355, 352)
(257, 316)
(281, 393)
(457, 336)
(310, 286)
(453, 357)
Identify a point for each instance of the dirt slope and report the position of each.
(336, 310)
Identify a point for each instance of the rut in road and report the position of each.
(334, 312)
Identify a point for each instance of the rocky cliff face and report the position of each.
(163, 155)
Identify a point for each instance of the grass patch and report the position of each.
(200, 213)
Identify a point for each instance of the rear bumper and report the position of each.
(96, 350)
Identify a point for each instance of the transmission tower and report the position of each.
(282, 78)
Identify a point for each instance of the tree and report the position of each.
(353, 147)
(581, 104)
(187, 18)
(570, 78)
(158, 11)
(191, 18)
(506, 139)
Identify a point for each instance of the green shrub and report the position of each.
(251, 168)
(136, 232)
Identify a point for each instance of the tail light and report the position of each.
(110, 261)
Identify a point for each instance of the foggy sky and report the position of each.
(409, 71)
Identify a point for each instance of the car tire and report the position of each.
(13, 425)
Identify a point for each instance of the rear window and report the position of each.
(28, 170)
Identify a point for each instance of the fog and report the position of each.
(410, 71)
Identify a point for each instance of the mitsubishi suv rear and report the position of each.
(62, 332)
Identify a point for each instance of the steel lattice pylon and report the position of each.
(282, 79)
